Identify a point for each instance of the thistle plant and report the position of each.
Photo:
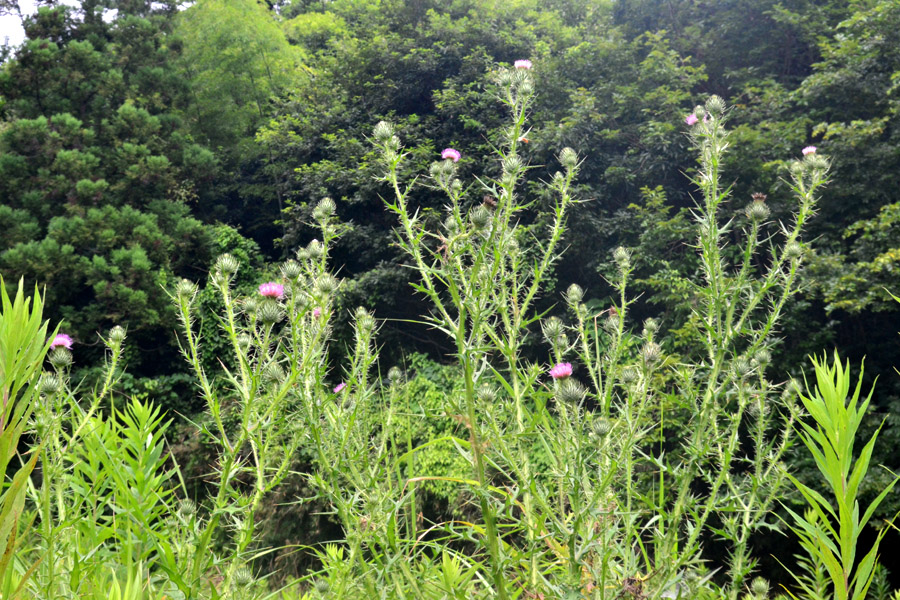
(608, 513)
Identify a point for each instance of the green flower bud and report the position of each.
(602, 427)
(383, 131)
(270, 313)
(512, 164)
(570, 391)
(186, 508)
(552, 328)
(629, 375)
(651, 352)
(273, 374)
(763, 356)
(49, 384)
(324, 209)
(568, 158)
(315, 250)
(364, 320)
(60, 358)
(741, 366)
(487, 393)
(395, 375)
(244, 342)
(480, 217)
(651, 326)
(322, 587)
(793, 250)
(227, 265)
(622, 257)
(243, 577)
(291, 270)
(327, 284)
(574, 295)
(715, 105)
(759, 587)
(116, 335)
(185, 290)
(757, 211)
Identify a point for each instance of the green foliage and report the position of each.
(23, 345)
(830, 531)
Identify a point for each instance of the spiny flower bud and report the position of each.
(699, 112)
(383, 131)
(270, 313)
(568, 158)
(227, 265)
(315, 249)
(395, 375)
(364, 320)
(327, 284)
(602, 427)
(630, 375)
(552, 329)
(622, 257)
(60, 358)
(741, 366)
(481, 217)
(49, 384)
(512, 164)
(526, 87)
(574, 295)
(757, 211)
(322, 587)
(715, 105)
(291, 270)
(243, 577)
(611, 322)
(186, 508)
(759, 587)
(570, 391)
(244, 341)
(117, 335)
(273, 373)
(793, 250)
(651, 352)
(651, 326)
(185, 290)
(324, 209)
(442, 169)
(763, 356)
(487, 393)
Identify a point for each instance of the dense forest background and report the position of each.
(140, 140)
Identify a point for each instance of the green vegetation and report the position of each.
(532, 328)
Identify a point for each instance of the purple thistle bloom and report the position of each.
(691, 119)
(317, 312)
(809, 150)
(522, 64)
(450, 153)
(272, 290)
(339, 387)
(561, 371)
(61, 341)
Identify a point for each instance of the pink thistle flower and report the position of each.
(61, 341)
(317, 312)
(809, 150)
(339, 387)
(691, 119)
(450, 153)
(522, 64)
(561, 371)
(272, 290)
